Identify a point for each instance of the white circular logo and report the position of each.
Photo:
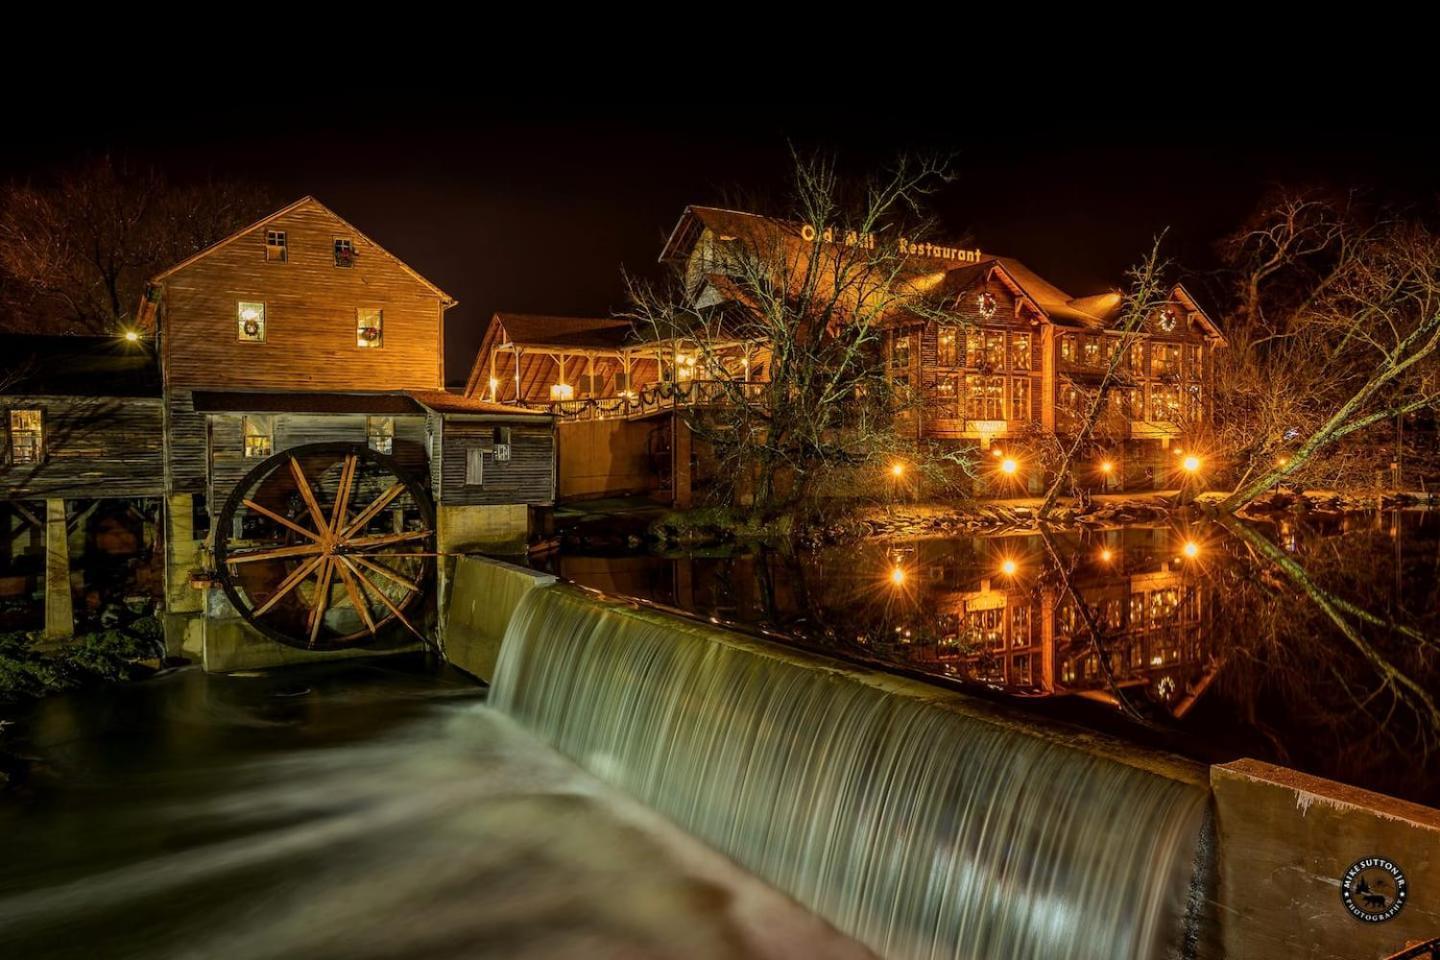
(1373, 889)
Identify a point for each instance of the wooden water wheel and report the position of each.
(326, 546)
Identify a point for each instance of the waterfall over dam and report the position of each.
(922, 822)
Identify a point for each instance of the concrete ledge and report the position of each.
(229, 644)
(1286, 839)
(481, 598)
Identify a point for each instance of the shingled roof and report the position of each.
(66, 366)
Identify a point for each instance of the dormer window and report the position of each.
(369, 331)
(27, 438)
(275, 248)
(250, 321)
(344, 252)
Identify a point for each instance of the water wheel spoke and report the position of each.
(351, 543)
(386, 539)
(283, 521)
(389, 605)
(322, 598)
(342, 495)
(274, 553)
(357, 599)
(289, 583)
(308, 495)
(410, 585)
(368, 514)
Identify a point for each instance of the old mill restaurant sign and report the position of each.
(908, 248)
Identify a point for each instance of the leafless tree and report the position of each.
(784, 322)
(1335, 332)
(75, 253)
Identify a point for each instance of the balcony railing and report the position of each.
(654, 398)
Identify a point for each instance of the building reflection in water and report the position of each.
(994, 611)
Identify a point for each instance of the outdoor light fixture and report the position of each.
(1191, 463)
(1106, 554)
(132, 335)
(1106, 466)
(1191, 549)
(897, 575)
(897, 470)
(494, 387)
(1008, 466)
(1009, 567)
(562, 391)
(994, 451)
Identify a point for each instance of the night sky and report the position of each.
(535, 207)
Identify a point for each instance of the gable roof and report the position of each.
(75, 366)
(541, 329)
(1183, 295)
(1096, 311)
(445, 298)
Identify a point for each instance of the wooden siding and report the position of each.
(527, 477)
(185, 444)
(228, 463)
(310, 320)
(93, 447)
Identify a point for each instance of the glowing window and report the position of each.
(369, 329)
(27, 439)
(1020, 351)
(259, 436)
(250, 322)
(985, 398)
(380, 434)
(994, 349)
(1020, 399)
(947, 398)
(948, 354)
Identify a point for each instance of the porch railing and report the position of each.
(653, 398)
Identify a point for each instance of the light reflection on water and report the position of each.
(1186, 630)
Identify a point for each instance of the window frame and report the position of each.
(12, 432)
(283, 246)
(264, 318)
(267, 421)
(360, 325)
(1016, 339)
(948, 357)
(386, 433)
(982, 390)
(337, 244)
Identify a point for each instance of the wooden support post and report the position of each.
(59, 607)
(680, 443)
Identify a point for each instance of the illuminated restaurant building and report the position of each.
(1017, 360)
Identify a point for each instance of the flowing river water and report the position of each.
(357, 812)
